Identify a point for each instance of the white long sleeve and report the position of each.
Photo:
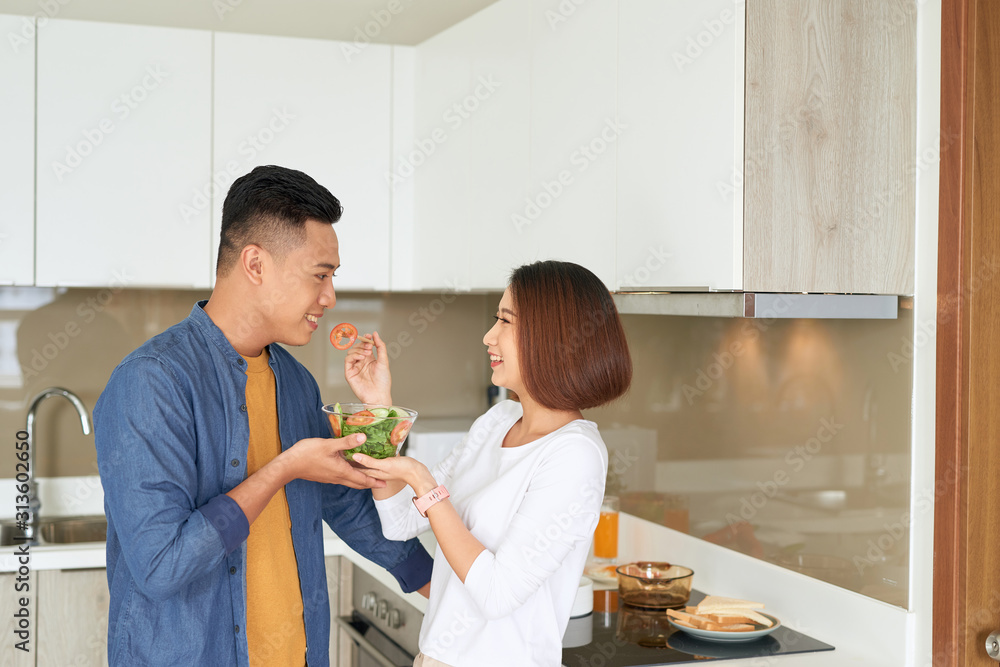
(534, 508)
(399, 516)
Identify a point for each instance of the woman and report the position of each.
(526, 483)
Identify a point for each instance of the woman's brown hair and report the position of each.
(571, 344)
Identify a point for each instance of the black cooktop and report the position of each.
(614, 642)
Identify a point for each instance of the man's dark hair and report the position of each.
(269, 207)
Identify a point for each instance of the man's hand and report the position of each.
(315, 459)
(321, 460)
(368, 376)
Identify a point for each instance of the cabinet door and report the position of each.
(569, 209)
(17, 126)
(10, 604)
(831, 146)
(124, 140)
(323, 108)
(438, 158)
(73, 628)
(680, 158)
(498, 109)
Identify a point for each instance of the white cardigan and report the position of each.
(534, 508)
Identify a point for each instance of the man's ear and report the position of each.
(253, 258)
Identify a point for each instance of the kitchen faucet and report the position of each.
(34, 505)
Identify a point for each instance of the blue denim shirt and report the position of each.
(172, 434)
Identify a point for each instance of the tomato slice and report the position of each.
(362, 418)
(343, 335)
(398, 434)
(335, 425)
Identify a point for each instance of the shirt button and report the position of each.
(243, 408)
(234, 462)
(232, 570)
(237, 629)
(240, 361)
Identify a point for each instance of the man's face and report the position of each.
(300, 286)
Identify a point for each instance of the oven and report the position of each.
(382, 627)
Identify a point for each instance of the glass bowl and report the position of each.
(385, 426)
(654, 585)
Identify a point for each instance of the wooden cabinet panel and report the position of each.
(17, 128)
(10, 605)
(830, 156)
(73, 618)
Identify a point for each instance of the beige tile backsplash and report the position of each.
(720, 404)
(75, 338)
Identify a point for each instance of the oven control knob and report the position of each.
(394, 621)
(369, 601)
(383, 609)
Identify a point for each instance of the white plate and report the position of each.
(719, 636)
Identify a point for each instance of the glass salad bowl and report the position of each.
(385, 426)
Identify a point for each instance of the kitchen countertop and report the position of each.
(92, 555)
(720, 570)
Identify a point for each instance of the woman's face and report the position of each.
(501, 344)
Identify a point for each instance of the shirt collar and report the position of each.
(214, 334)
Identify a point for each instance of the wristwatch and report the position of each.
(432, 497)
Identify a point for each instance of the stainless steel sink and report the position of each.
(60, 530)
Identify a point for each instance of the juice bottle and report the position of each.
(606, 534)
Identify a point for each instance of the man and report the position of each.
(214, 458)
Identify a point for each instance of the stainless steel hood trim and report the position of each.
(760, 305)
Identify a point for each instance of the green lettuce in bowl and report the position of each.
(385, 426)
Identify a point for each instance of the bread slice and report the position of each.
(692, 620)
(758, 618)
(731, 627)
(729, 618)
(713, 604)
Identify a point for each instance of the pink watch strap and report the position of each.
(432, 497)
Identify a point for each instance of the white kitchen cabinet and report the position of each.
(569, 209)
(73, 628)
(402, 266)
(17, 128)
(680, 157)
(437, 159)
(321, 107)
(498, 110)
(516, 110)
(123, 153)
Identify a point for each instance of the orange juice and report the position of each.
(606, 536)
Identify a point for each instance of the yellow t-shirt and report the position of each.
(276, 633)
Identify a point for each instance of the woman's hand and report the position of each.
(368, 376)
(398, 469)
